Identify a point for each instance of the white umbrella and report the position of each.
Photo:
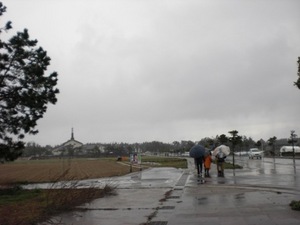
(223, 148)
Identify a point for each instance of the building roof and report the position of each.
(70, 143)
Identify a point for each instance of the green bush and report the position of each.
(295, 205)
(11, 190)
(165, 161)
(16, 194)
(228, 165)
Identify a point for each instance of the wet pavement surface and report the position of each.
(259, 194)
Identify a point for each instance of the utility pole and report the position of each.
(262, 149)
(235, 140)
(293, 140)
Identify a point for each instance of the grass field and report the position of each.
(165, 161)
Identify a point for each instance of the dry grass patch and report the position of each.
(28, 207)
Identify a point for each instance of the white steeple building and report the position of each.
(72, 143)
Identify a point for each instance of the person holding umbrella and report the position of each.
(199, 165)
(198, 153)
(220, 153)
(220, 163)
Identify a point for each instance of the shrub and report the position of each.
(295, 205)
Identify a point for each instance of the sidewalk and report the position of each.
(168, 196)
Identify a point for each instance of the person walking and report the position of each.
(220, 157)
(198, 153)
(199, 165)
(207, 163)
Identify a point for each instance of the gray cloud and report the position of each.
(137, 71)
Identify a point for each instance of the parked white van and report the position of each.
(288, 150)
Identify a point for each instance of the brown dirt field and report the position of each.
(50, 170)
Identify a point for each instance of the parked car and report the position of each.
(255, 153)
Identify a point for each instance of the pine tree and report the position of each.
(297, 83)
(25, 90)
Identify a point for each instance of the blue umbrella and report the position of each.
(197, 151)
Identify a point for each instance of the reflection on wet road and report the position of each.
(268, 165)
(266, 172)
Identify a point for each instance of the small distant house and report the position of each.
(92, 149)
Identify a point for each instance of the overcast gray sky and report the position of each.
(157, 70)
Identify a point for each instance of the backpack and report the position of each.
(221, 156)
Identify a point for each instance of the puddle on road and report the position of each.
(241, 198)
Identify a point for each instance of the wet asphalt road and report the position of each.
(268, 172)
(258, 194)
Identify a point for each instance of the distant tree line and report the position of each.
(241, 143)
